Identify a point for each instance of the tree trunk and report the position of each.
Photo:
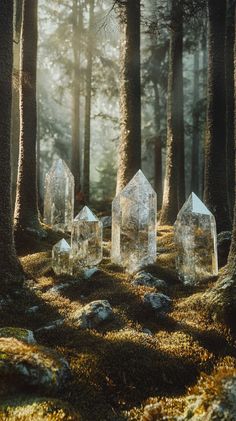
(87, 123)
(158, 146)
(75, 155)
(215, 191)
(26, 209)
(11, 271)
(221, 299)
(196, 127)
(174, 184)
(230, 101)
(129, 159)
(204, 95)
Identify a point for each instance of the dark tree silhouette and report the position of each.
(11, 271)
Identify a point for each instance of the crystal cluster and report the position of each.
(61, 258)
(134, 225)
(59, 197)
(86, 240)
(195, 238)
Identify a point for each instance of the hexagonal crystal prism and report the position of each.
(86, 240)
(134, 225)
(59, 197)
(61, 258)
(195, 238)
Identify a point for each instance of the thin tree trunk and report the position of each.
(87, 123)
(204, 95)
(174, 183)
(26, 209)
(215, 191)
(11, 271)
(75, 155)
(158, 146)
(196, 127)
(129, 159)
(230, 101)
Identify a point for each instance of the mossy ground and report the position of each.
(117, 369)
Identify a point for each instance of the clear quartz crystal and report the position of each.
(86, 240)
(61, 258)
(59, 197)
(134, 225)
(195, 239)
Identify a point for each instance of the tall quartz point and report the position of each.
(86, 240)
(59, 197)
(134, 225)
(61, 258)
(195, 239)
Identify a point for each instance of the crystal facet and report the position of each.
(86, 240)
(195, 239)
(61, 258)
(134, 225)
(59, 197)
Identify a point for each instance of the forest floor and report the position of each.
(117, 369)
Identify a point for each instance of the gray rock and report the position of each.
(146, 279)
(30, 365)
(88, 273)
(93, 314)
(106, 221)
(159, 302)
(32, 310)
(222, 407)
(19, 333)
(52, 325)
(147, 331)
(223, 246)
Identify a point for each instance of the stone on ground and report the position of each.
(19, 333)
(161, 303)
(93, 314)
(146, 279)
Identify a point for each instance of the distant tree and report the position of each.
(88, 96)
(174, 184)
(129, 159)
(196, 125)
(11, 272)
(215, 191)
(26, 208)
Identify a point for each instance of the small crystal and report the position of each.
(59, 197)
(195, 239)
(86, 240)
(61, 258)
(134, 225)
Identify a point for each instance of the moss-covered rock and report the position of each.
(24, 335)
(93, 314)
(37, 409)
(30, 365)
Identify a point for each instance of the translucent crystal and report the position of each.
(59, 197)
(134, 225)
(86, 240)
(61, 258)
(195, 238)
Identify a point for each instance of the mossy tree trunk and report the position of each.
(26, 208)
(129, 158)
(174, 183)
(215, 191)
(88, 97)
(11, 272)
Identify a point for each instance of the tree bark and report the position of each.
(158, 147)
(11, 272)
(230, 22)
(196, 128)
(215, 191)
(174, 183)
(87, 123)
(75, 155)
(129, 157)
(26, 209)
